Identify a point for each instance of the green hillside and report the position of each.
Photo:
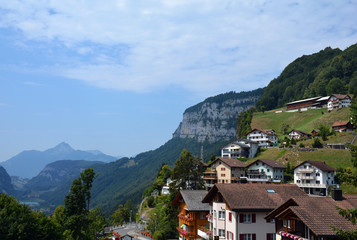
(305, 121)
(326, 72)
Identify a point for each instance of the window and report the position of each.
(202, 215)
(221, 214)
(317, 182)
(298, 181)
(223, 169)
(214, 214)
(286, 222)
(248, 236)
(247, 218)
(317, 174)
(214, 231)
(223, 175)
(268, 170)
(271, 236)
(221, 233)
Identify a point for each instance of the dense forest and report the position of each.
(320, 74)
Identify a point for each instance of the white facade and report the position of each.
(166, 189)
(335, 102)
(263, 138)
(239, 149)
(233, 225)
(266, 171)
(313, 180)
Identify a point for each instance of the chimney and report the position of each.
(337, 194)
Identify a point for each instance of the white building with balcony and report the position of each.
(264, 138)
(265, 170)
(241, 148)
(338, 101)
(314, 177)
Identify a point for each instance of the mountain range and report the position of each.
(28, 164)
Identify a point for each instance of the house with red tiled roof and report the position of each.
(264, 138)
(237, 211)
(338, 101)
(314, 177)
(342, 126)
(305, 218)
(224, 170)
(265, 170)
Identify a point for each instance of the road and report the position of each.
(132, 230)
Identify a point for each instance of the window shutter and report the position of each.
(268, 236)
(254, 236)
(230, 216)
(253, 218)
(228, 235)
(241, 236)
(240, 218)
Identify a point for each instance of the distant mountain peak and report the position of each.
(63, 148)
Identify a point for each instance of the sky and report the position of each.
(116, 76)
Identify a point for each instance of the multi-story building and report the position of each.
(342, 126)
(224, 170)
(264, 138)
(265, 170)
(314, 177)
(193, 223)
(338, 101)
(241, 148)
(312, 218)
(237, 211)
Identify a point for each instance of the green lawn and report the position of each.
(305, 121)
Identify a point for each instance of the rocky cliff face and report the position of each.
(215, 119)
(5, 182)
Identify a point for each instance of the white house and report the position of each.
(264, 138)
(265, 170)
(237, 211)
(314, 177)
(297, 134)
(240, 148)
(166, 189)
(338, 101)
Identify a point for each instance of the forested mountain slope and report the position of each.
(320, 74)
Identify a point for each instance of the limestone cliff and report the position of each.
(215, 118)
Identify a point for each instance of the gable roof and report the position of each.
(300, 132)
(341, 96)
(320, 165)
(341, 123)
(304, 100)
(231, 162)
(192, 199)
(266, 131)
(317, 213)
(254, 197)
(268, 162)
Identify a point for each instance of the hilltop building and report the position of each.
(314, 177)
(241, 148)
(297, 134)
(264, 138)
(338, 101)
(343, 126)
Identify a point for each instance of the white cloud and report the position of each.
(203, 46)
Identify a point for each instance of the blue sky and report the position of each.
(117, 77)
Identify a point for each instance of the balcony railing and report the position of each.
(185, 218)
(209, 177)
(306, 170)
(311, 185)
(183, 232)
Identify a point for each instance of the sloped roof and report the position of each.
(341, 123)
(250, 197)
(268, 162)
(341, 96)
(320, 165)
(318, 213)
(232, 162)
(193, 199)
(304, 100)
(266, 131)
(300, 132)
